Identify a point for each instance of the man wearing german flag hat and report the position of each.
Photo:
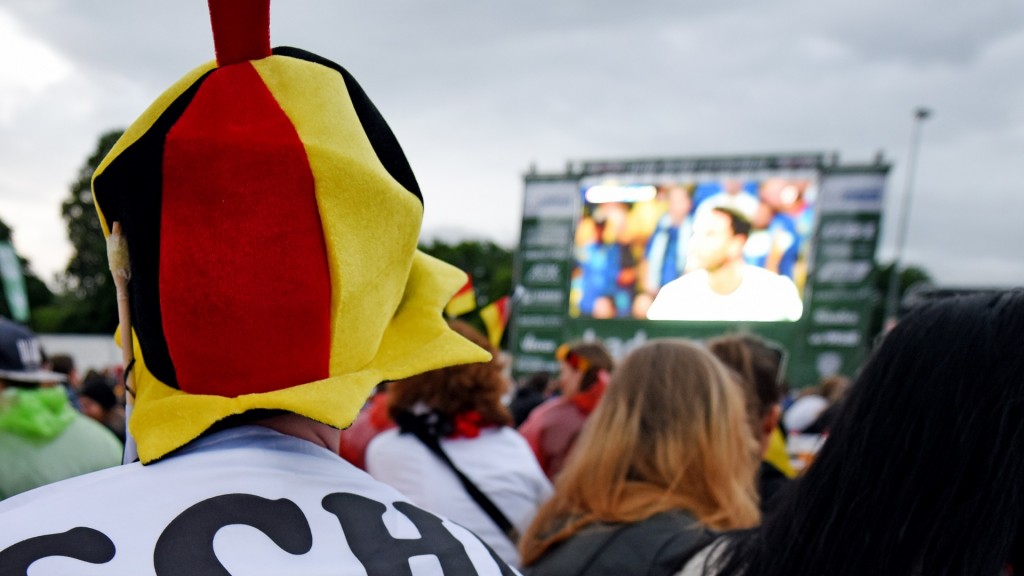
(265, 177)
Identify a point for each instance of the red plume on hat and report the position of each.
(272, 221)
(241, 30)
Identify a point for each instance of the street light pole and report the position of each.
(892, 297)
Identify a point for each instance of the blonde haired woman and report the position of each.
(667, 455)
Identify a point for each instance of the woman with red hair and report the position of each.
(454, 429)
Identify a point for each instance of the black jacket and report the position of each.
(657, 546)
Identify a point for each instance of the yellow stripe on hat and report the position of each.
(371, 223)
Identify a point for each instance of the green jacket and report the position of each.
(43, 440)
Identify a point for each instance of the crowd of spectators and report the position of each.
(671, 460)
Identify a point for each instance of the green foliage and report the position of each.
(489, 265)
(90, 305)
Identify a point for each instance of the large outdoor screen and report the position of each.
(710, 247)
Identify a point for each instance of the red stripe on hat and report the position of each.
(241, 30)
(245, 290)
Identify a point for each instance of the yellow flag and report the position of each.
(495, 317)
(464, 301)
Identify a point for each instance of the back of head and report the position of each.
(62, 363)
(456, 389)
(923, 469)
(590, 358)
(758, 364)
(670, 433)
(99, 391)
(834, 387)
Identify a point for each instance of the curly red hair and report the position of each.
(457, 389)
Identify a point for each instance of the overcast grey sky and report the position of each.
(478, 91)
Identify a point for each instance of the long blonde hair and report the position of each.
(670, 433)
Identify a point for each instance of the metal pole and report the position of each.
(892, 296)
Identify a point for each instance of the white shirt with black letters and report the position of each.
(242, 501)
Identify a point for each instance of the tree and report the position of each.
(86, 281)
(489, 266)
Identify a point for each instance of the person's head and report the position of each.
(581, 365)
(759, 367)
(923, 468)
(833, 388)
(611, 219)
(718, 238)
(456, 389)
(763, 216)
(272, 222)
(670, 433)
(96, 398)
(782, 194)
(65, 364)
(641, 304)
(604, 307)
(732, 186)
(680, 202)
(22, 358)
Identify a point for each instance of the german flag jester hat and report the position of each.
(272, 221)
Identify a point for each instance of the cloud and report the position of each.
(27, 68)
(479, 92)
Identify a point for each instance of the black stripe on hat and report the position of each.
(383, 140)
(130, 191)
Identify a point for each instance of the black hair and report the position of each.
(923, 471)
(537, 382)
(740, 224)
(62, 363)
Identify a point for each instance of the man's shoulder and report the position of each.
(678, 293)
(763, 276)
(314, 506)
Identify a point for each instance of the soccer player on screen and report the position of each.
(722, 286)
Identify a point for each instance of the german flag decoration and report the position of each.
(463, 302)
(272, 221)
(495, 318)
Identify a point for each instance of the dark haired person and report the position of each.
(552, 428)
(529, 394)
(923, 469)
(98, 401)
(723, 286)
(758, 365)
(64, 364)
